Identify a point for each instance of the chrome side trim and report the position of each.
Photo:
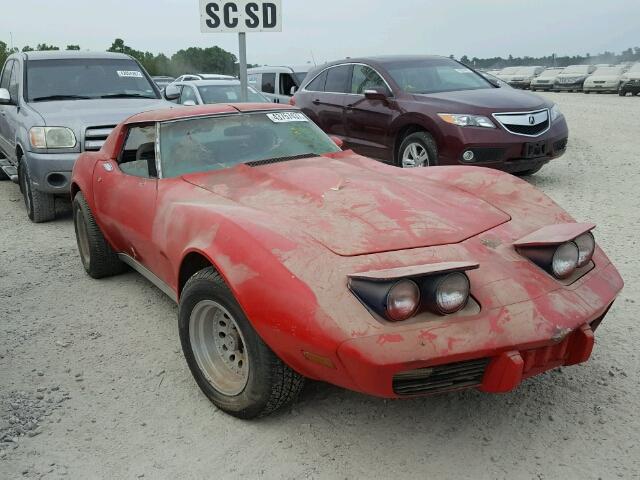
(149, 275)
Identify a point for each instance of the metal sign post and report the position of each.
(244, 84)
(241, 16)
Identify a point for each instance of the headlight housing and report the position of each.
(586, 244)
(396, 300)
(467, 120)
(565, 260)
(555, 112)
(52, 137)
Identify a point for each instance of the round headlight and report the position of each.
(586, 246)
(403, 300)
(452, 293)
(565, 260)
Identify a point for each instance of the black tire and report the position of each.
(3, 176)
(98, 258)
(270, 384)
(622, 93)
(425, 141)
(531, 171)
(41, 206)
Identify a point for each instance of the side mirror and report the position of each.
(189, 103)
(171, 92)
(5, 97)
(375, 95)
(293, 91)
(337, 140)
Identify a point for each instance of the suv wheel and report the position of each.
(41, 206)
(622, 92)
(234, 368)
(417, 150)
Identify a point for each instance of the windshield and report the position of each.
(608, 71)
(635, 68)
(434, 76)
(84, 78)
(228, 93)
(300, 76)
(527, 71)
(576, 69)
(509, 70)
(215, 143)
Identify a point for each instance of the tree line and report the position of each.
(218, 60)
(190, 60)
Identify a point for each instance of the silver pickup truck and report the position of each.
(55, 105)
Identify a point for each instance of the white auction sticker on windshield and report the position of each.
(283, 117)
(129, 74)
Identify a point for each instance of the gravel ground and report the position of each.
(93, 383)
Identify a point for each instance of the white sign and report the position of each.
(286, 117)
(129, 73)
(219, 16)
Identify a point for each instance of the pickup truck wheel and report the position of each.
(98, 258)
(41, 206)
(231, 364)
(417, 150)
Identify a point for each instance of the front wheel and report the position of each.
(417, 150)
(622, 93)
(531, 171)
(41, 206)
(231, 364)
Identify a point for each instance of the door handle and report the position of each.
(316, 102)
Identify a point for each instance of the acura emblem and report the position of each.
(531, 120)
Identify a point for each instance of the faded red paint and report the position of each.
(287, 236)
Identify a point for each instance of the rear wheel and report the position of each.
(417, 150)
(98, 258)
(234, 368)
(41, 206)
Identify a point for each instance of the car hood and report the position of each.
(79, 114)
(494, 99)
(632, 75)
(353, 207)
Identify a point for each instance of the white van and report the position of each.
(278, 83)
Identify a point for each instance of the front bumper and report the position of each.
(51, 172)
(493, 350)
(568, 86)
(500, 149)
(522, 84)
(542, 86)
(600, 87)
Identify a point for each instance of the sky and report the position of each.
(333, 29)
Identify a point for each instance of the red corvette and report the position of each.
(292, 259)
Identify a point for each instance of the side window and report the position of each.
(253, 80)
(337, 79)
(269, 82)
(366, 78)
(138, 157)
(6, 74)
(188, 94)
(317, 84)
(14, 82)
(286, 84)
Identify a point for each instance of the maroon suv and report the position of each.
(426, 110)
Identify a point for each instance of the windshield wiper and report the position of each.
(267, 161)
(126, 95)
(60, 97)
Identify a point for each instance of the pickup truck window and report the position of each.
(6, 75)
(83, 78)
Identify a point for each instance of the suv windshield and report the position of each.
(576, 69)
(214, 143)
(228, 93)
(434, 76)
(84, 78)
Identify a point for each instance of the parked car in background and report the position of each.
(630, 81)
(55, 105)
(493, 79)
(604, 79)
(415, 111)
(546, 80)
(278, 83)
(524, 76)
(201, 92)
(162, 81)
(291, 259)
(572, 78)
(506, 73)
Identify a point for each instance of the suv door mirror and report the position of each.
(171, 92)
(293, 91)
(375, 95)
(5, 97)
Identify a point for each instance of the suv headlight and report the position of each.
(465, 120)
(555, 112)
(52, 137)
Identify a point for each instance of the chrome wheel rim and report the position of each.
(218, 347)
(415, 155)
(83, 237)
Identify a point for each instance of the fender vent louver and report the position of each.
(269, 161)
(441, 378)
